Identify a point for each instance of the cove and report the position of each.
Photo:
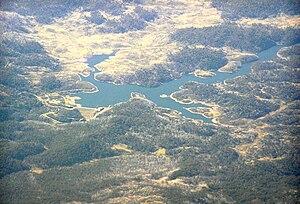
(110, 94)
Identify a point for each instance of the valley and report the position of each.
(135, 101)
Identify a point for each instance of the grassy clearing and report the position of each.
(122, 147)
(206, 112)
(161, 151)
(202, 73)
(71, 38)
(37, 171)
(282, 21)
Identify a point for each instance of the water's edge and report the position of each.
(110, 94)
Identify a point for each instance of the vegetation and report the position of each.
(183, 62)
(66, 115)
(254, 39)
(198, 58)
(96, 18)
(145, 14)
(290, 56)
(44, 11)
(50, 83)
(127, 23)
(235, 106)
(19, 56)
(13, 154)
(204, 153)
(234, 9)
(240, 103)
(11, 78)
(50, 154)
(112, 7)
(47, 12)
(22, 52)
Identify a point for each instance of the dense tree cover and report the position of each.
(138, 123)
(20, 150)
(66, 115)
(16, 105)
(65, 146)
(133, 1)
(10, 76)
(145, 14)
(177, 195)
(249, 96)
(18, 94)
(136, 20)
(13, 46)
(272, 72)
(234, 9)
(81, 142)
(268, 81)
(23, 52)
(86, 183)
(73, 143)
(274, 178)
(47, 12)
(235, 106)
(13, 154)
(185, 61)
(13, 23)
(290, 51)
(205, 154)
(112, 7)
(50, 83)
(127, 23)
(287, 116)
(18, 101)
(254, 39)
(96, 18)
(44, 11)
(69, 153)
(19, 57)
(195, 166)
(9, 166)
(80, 165)
(198, 58)
(290, 56)
(264, 181)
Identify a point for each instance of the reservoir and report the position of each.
(110, 94)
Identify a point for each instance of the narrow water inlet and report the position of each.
(110, 94)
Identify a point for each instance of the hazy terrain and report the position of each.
(55, 150)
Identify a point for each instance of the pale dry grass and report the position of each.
(122, 147)
(212, 112)
(72, 38)
(202, 73)
(281, 21)
(160, 151)
(37, 171)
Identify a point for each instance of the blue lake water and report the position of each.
(110, 94)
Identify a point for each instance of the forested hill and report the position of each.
(47, 11)
(55, 150)
(234, 9)
(253, 38)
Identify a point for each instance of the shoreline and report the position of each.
(193, 101)
(187, 101)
